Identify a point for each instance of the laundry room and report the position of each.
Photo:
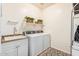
(36, 29)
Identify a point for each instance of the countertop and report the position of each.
(12, 38)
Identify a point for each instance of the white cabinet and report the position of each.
(15, 48)
(23, 49)
(10, 52)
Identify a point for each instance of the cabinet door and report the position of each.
(10, 52)
(23, 48)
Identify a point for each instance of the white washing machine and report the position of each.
(38, 43)
(75, 49)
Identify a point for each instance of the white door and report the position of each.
(23, 50)
(23, 47)
(10, 52)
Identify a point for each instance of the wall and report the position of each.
(16, 12)
(57, 20)
(0, 27)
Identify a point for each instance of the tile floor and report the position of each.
(53, 52)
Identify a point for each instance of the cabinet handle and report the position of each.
(17, 46)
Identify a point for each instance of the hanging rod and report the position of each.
(76, 17)
(76, 10)
(74, 7)
(78, 13)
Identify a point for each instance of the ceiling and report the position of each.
(42, 5)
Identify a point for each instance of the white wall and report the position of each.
(0, 28)
(17, 12)
(57, 19)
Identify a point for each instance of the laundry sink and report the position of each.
(12, 38)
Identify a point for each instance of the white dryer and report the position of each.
(38, 43)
